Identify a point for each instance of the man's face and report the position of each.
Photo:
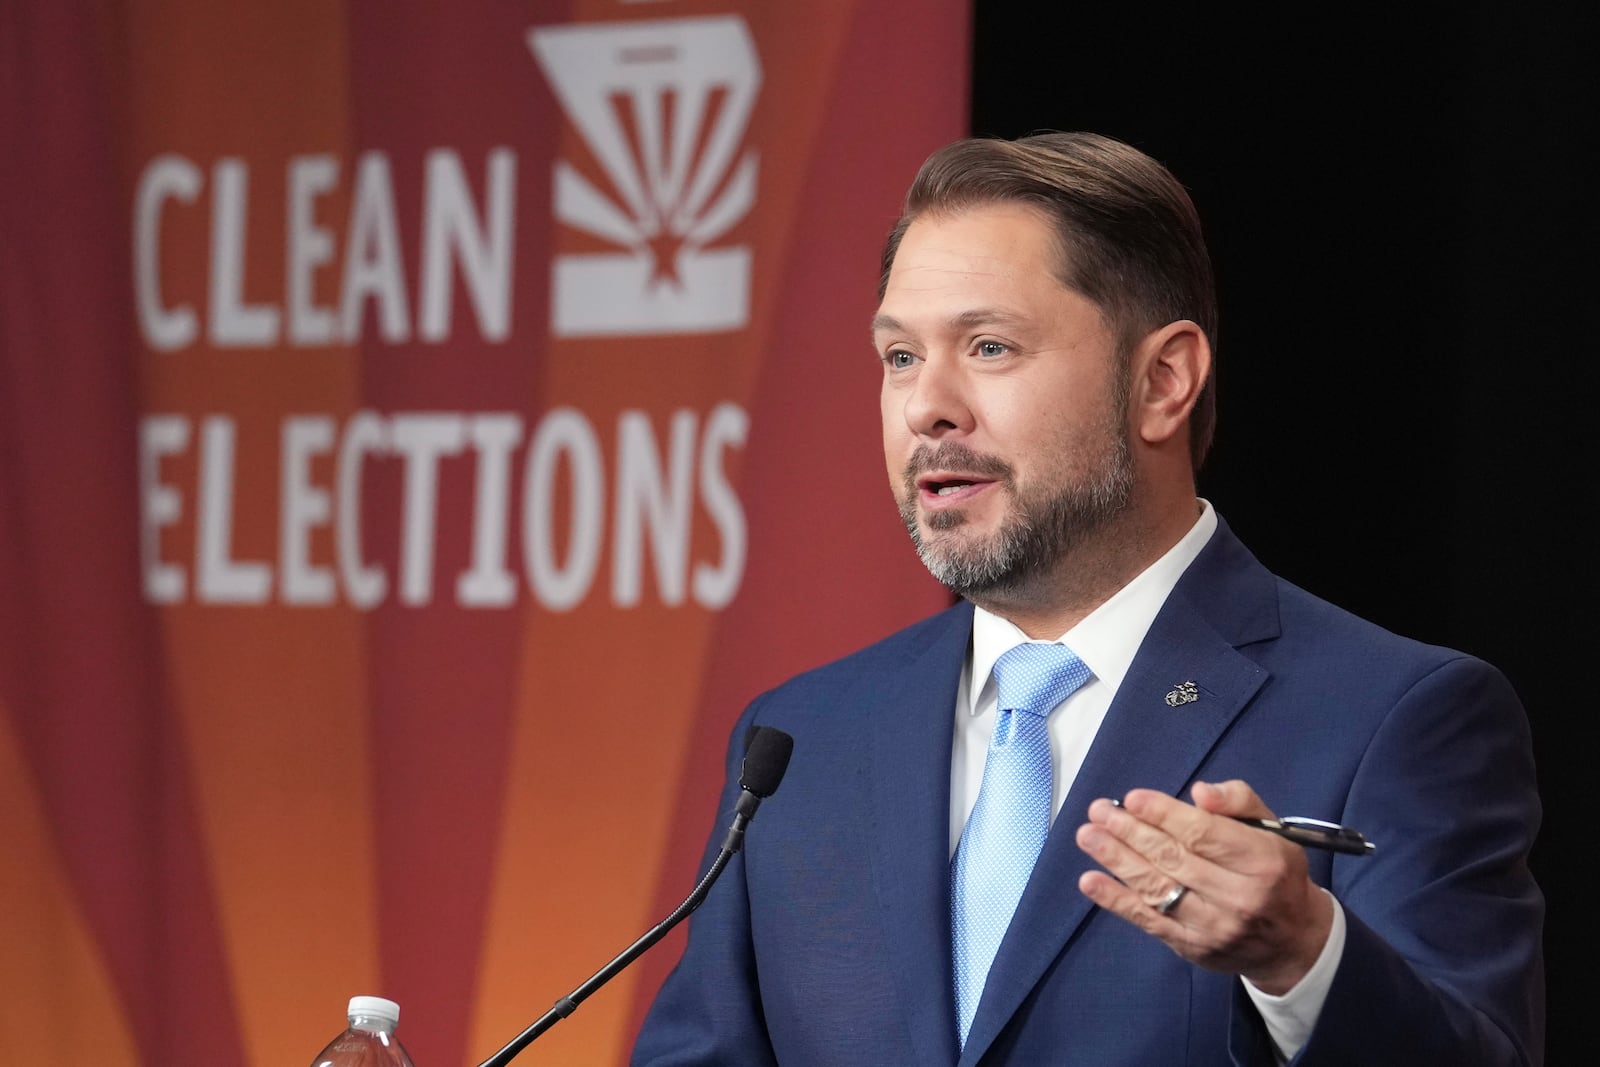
(1004, 402)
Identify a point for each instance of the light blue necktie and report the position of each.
(1009, 823)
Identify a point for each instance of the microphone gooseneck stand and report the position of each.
(767, 754)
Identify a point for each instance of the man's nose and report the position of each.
(937, 405)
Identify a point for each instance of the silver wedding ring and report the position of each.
(1170, 901)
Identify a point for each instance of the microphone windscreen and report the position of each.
(766, 757)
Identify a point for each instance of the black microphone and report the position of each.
(766, 757)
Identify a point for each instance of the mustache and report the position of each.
(955, 456)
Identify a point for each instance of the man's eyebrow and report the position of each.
(986, 317)
(962, 320)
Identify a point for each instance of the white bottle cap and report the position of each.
(375, 1008)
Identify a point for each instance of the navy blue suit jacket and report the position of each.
(827, 941)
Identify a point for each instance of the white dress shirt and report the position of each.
(1107, 640)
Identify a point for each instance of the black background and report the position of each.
(1400, 201)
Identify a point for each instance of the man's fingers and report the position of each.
(1147, 861)
(1171, 833)
(1151, 841)
(1244, 901)
(1233, 797)
(1194, 827)
(1149, 882)
(1116, 897)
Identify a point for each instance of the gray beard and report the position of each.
(1043, 528)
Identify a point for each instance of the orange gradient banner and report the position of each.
(425, 427)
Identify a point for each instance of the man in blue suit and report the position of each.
(945, 877)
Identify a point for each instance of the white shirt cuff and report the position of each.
(1291, 1017)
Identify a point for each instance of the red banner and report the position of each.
(424, 428)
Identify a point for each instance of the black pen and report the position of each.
(1314, 833)
(1308, 833)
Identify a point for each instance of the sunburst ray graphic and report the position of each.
(664, 107)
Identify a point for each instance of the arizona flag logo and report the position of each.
(664, 106)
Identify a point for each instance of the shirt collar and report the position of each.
(1109, 636)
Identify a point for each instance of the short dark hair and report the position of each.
(1129, 234)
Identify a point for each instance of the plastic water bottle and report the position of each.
(370, 1040)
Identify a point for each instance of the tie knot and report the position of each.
(1035, 677)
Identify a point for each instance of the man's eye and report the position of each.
(992, 348)
(899, 359)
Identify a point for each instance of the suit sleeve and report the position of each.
(708, 1012)
(1442, 960)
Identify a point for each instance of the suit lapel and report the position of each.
(912, 724)
(1143, 742)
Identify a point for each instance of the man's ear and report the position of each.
(1169, 368)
